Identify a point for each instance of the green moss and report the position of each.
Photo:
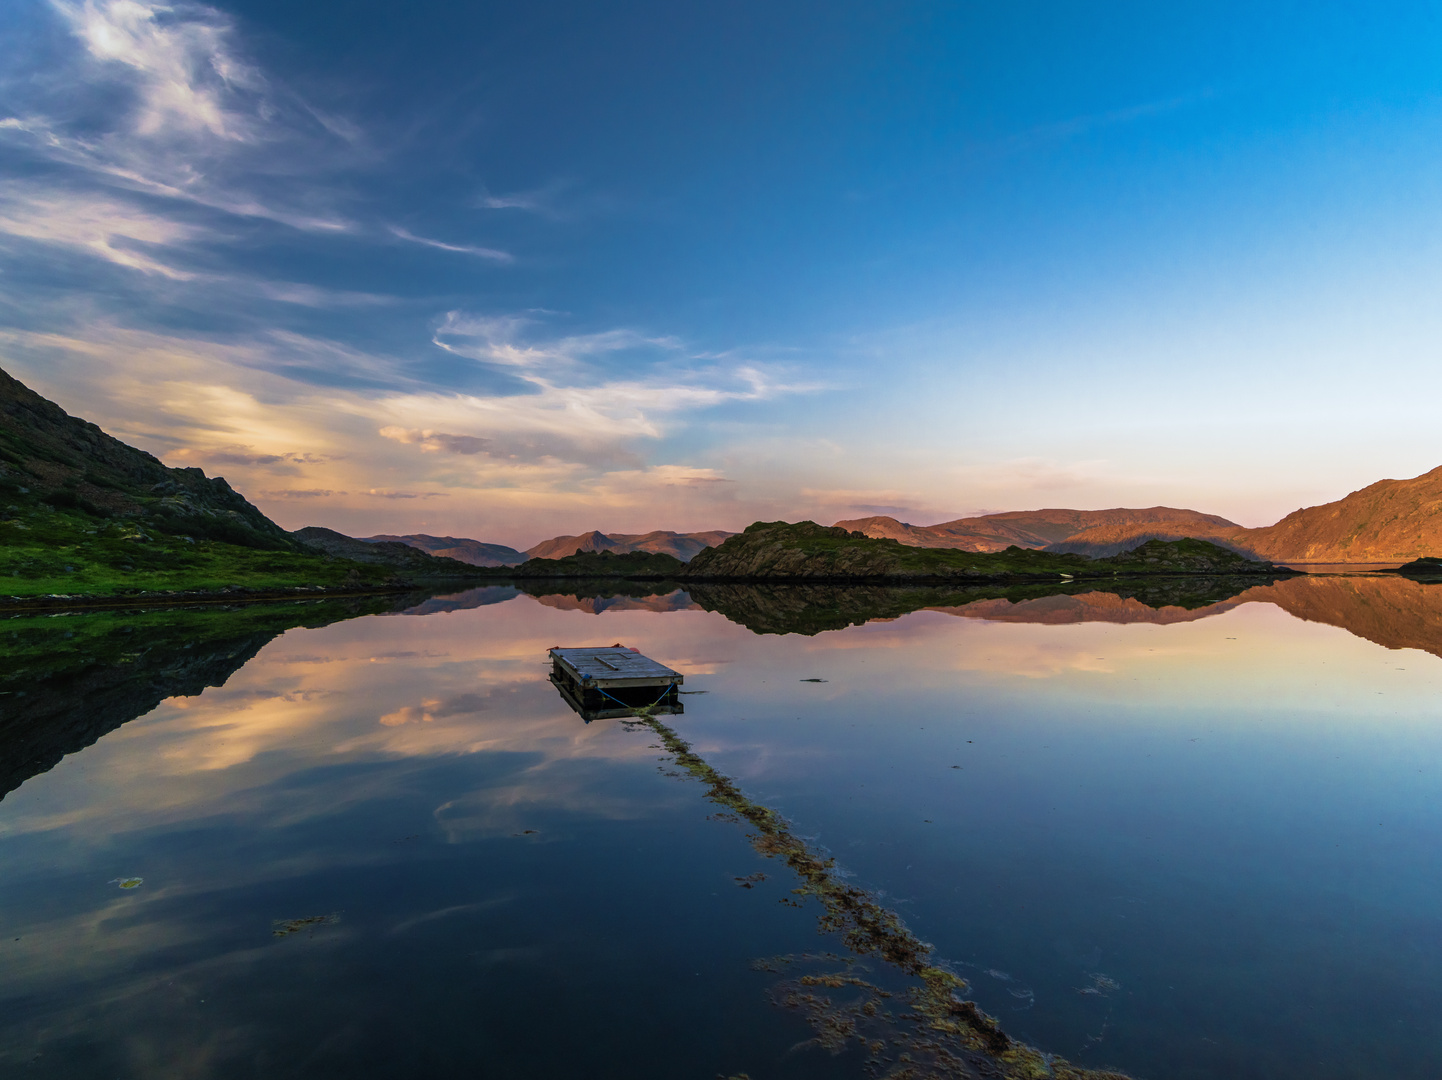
(639, 565)
(36, 649)
(46, 551)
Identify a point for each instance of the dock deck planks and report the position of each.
(613, 681)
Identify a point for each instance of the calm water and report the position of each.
(1191, 843)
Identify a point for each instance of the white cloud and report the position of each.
(463, 249)
(185, 76)
(291, 292)
(96, 224)
(188, 119)
(499, 339)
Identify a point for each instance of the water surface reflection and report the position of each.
(1188, 841)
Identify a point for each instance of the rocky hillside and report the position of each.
(453, 547)
(637, 565)
(1389, 521)
(49, 458)
(779, 551)
(83, 516)
(1037, 529)
(1102, 541)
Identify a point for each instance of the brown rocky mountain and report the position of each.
(1044, 528)
(455, 547)
(662, 542)
(1391, 521)
(1103, 541)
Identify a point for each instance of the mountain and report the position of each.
(683, 546)
(458, 548)
(1389, 521)
(387, 553)
(52, 459)
(1037, 529)
(1103, 541)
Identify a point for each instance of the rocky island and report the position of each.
(779, 551)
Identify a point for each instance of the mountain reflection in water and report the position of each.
(1186, 831)
(66, 680)
(58, 695)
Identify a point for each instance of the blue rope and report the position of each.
(628, 705)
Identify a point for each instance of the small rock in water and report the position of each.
(128, 882)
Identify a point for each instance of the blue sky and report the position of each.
(508, 271)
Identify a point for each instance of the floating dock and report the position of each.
(614, 681)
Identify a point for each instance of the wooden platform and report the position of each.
(614, 681)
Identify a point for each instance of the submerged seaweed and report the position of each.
(922, 1029)
(286, 927)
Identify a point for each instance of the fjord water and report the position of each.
(1181, 843)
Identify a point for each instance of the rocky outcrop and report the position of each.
(638, 565)
(779, 551)
(48, 456)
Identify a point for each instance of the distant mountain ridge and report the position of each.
(383, 553)
(1042, 529)
(679, 545)
(1389, 521)
(454, 547)
(660, 542)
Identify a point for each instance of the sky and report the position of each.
(509, 271)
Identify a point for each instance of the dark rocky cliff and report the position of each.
(48, 456)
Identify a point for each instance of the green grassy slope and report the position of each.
(47, 551)
(83, 514)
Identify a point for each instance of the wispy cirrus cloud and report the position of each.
(260, 410)
(185, 76)
(153, 118)
(507, 340)
(461, 249)
(103, 226)
(159, 174)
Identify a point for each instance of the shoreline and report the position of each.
(245, 594)
(188, 597)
